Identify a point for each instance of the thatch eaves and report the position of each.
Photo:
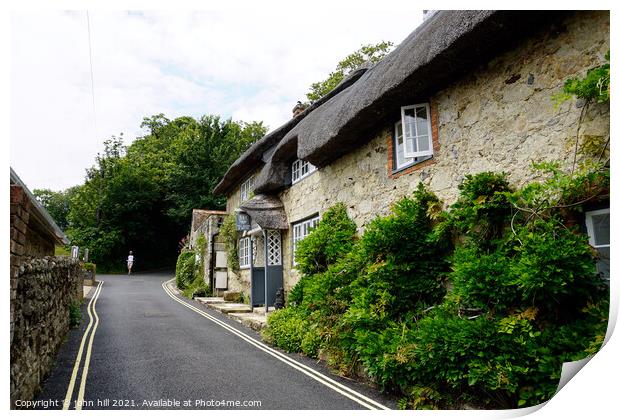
(253, 156)
(442, 49)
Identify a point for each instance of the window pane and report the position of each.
(604, 261)
(422, 121)
(421, 113)
(423, 143)
(409, 122)
(600, 223)
(401, 160)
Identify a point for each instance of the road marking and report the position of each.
(80, 398)
(76, 368)
(330, 383)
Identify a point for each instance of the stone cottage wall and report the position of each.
(237, 281)
(498, 118)
(41, 293)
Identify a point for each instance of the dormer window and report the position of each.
(246, 189)
(301, 169)
(416, 131)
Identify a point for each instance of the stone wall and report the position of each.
(498, 118)
(42, 288)
(41, 293)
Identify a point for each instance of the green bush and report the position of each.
(228, 233)
(89, 266)
(330, 240)
(405, 264)
(75, 314)
(286, 329)
(311, 342)
(186, 269)
(524, 296)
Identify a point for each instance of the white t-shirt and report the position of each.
(130, 258)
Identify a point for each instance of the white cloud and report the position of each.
(245, 64)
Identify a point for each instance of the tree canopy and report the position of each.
(140, 197)
(369, 52)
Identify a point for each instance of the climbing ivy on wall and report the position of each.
(228, 234)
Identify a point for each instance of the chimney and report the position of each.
(299, 108)
(427, 13)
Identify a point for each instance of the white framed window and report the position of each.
(244, 252)
(417, 131)
(246, 189)
(301, 230)
(597, 224)
(399, 159)
(301, 169)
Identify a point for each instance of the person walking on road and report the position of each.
(130, 262)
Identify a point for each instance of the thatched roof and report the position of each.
(253, 156)
(443, 48)
(266, 211)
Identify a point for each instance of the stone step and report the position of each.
(209, 299)
(252, 320)
(228, 308)
(261, 310)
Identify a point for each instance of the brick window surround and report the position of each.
(416, 167)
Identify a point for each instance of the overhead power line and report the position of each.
(92, 80)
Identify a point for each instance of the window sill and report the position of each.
(303, 177)
(412, 165)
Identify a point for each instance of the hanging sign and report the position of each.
(244, 221)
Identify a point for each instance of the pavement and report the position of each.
(154, 349)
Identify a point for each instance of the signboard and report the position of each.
(75, 251)
(244, 221)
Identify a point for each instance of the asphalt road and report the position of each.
(150, 351)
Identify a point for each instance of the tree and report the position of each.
(370, 52)
(56, 203)
(141, 197)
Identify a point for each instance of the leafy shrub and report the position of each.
(311, 343)
(482, 209)
(75, 314)
(595, 86)
(329, 241)
(186, 269)
(228, 232)
(524, 295)
(296, 295)
(89, 266)
(405, 263)
(286, 329)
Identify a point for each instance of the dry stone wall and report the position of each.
(44, 290)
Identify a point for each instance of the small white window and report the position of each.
(301, 230)
(400, 161)
(301, 169)
(244, 252)
(597, 223)
(247, 188)
(417, 132)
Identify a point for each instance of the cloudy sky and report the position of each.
(248, 65)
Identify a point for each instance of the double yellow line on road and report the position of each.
(317, 376)
(92, 314)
